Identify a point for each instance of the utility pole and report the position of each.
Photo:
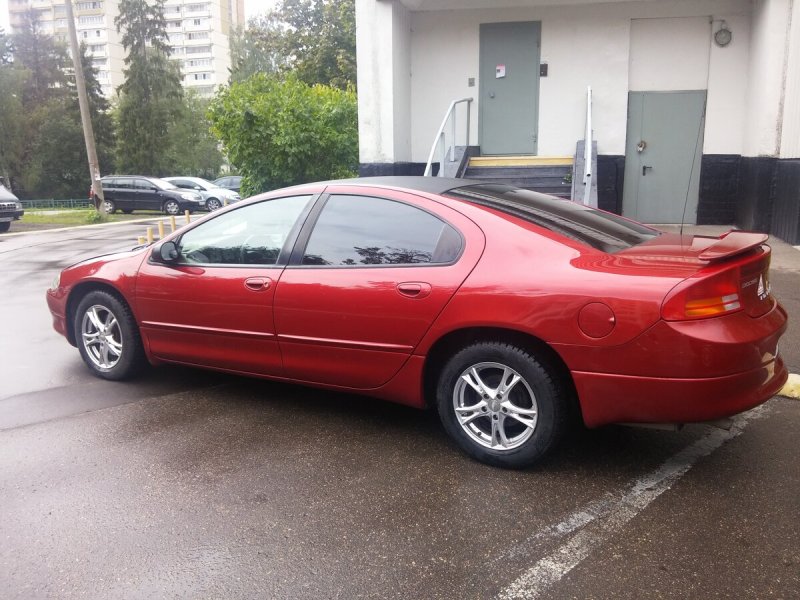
(83, 102)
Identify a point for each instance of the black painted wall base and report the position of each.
(388, 169)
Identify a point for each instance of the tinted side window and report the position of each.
(251, 235)
(360, 230)
(123, 184)
(108, 183)
(143, 184)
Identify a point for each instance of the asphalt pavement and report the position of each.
(191, 484)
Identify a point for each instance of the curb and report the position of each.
(792, 387)
(91, 226)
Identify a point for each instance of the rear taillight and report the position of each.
(701, 297)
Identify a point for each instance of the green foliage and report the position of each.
(43, 150)
(313, 39)
(96, 216)
(284, 132)
(194, 151)
(151, 95)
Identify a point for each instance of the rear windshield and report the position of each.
(604, 231)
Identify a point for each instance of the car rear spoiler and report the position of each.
(731, 244)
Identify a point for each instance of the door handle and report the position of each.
(414, 289)
(645, 168)
(257, 284)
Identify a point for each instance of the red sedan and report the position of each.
(507, 310)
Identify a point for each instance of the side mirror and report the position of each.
(165, 253)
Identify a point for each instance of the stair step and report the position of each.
(506, 172)
(519, 161)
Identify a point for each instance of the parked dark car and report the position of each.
(10, 209)
(136, 192)
(232, 182)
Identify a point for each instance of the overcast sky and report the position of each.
(251, 8)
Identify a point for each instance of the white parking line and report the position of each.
(598, 521)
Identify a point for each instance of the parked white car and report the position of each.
(214, 196)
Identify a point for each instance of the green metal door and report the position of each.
(509, 87)
(662, 156)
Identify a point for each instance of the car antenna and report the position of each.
(694, 161)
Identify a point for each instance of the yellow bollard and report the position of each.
(172, 223)
(161, 230)
(141, 241)
(149, 235)
(224, 202)
(188, 218)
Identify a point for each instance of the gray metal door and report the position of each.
(509, 87)
(662, 156)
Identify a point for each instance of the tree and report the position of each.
(314, 39)
(194, 150)
(281, 132)
(151, 95)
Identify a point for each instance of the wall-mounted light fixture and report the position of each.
(723, 35)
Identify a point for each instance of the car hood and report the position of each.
(107, 258)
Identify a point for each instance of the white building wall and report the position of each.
(790, 132)
(583, 45)
(770, 25)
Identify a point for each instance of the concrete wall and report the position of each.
(790, 131)
(587, 45)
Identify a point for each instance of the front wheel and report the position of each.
(107, 336)
(171, 207)
(501, 404)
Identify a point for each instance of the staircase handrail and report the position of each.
(587, 150)
(440, 137)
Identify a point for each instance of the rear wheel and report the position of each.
(171, 207)
(109, 206)
(213, 204)
(501, 404)
(107, 336)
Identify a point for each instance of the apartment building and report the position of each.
(199, 33)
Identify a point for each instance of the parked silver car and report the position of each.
(213, 195)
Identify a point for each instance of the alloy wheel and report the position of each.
(101, 336)
(495, 406)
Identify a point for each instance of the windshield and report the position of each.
(601, 230)
(163, 185)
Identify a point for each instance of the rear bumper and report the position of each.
(609, 398)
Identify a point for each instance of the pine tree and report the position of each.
(151, 96)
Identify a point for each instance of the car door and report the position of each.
(214, 306)
(370, 273)
(147, 196)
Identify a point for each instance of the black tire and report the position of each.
(171, 207)
(5, 226)
(528, 436)
(109, 206)
(116, 352)
(213, 204)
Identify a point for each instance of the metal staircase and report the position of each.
(546, 174)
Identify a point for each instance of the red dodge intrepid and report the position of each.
(507, 310)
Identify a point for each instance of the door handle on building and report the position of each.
(645, 168)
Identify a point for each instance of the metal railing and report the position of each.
(440, 140)
(587, 151)
(54, 204)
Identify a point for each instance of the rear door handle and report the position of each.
(414, 289)
(257, 284)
